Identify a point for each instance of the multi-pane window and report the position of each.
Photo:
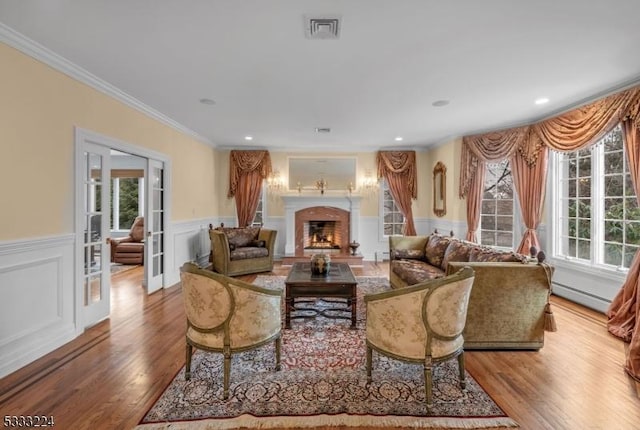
(575, 210)
(598, 215)
(258, 219)
(496, 214)
(125, 202)
(393, 220)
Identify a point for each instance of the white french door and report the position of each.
(154, 223)
(92, 230)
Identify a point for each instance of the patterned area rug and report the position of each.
(322, 383)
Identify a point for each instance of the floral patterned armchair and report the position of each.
(228, 315)
(422, 323)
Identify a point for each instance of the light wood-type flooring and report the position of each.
(109, 377)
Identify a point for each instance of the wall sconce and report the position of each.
(368, 184)
(275, 182)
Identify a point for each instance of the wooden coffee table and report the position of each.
(339, 283)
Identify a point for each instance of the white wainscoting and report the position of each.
(37, 289)
(37, 295)
(190, 241)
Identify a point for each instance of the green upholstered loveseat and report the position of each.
(509, 303)
(239, 251)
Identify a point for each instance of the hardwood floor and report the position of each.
(109, 377)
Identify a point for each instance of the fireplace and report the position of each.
(300, 209)
(322, 235)
(322, 228)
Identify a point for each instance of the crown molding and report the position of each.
(33, 49)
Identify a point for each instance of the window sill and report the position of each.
(607, 272)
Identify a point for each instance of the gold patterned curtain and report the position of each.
(570, 131)
(398, 168)
(247, 170)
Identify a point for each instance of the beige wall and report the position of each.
(448, 153)
(39, 109)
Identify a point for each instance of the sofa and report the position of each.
(509, 303)
(242, 250)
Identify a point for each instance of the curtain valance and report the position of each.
(401, 163)
(569, 131)
(243, 162)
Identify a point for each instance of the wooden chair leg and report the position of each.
(369, 360)
(463, 383)
(278, 349)
(227, 373)
(187, 369)
(428, 382)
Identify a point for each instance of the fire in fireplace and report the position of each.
(321, 235)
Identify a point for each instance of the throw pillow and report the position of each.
(408, 254)
(457, 250)
(258, 244)
(436, 247)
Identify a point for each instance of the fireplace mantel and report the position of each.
(295, 202)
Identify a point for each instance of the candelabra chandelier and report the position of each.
(275, 183)
(322, 185)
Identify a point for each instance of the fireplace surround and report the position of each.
(344, 210)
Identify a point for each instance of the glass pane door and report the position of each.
(154, 255)
(93, 231)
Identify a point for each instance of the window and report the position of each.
(598, 220)
(126, 197)
(496, 213)
(393, 220)
(258, 219)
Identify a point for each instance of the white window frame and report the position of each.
(381, 210)
(597, 210)
(515, 215)
(115, 204)
(263, 200)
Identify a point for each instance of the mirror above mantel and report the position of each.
(305, 172)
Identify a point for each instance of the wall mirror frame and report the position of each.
(305, 171)
(440, 189)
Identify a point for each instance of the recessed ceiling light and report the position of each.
(541, 101)
(248, 138)
(207, 101)
(398, 139)
(440, 103)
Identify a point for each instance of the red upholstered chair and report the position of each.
(130, 249)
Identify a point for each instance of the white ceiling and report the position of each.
(491, 59)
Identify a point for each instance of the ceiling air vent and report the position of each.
(324, 27)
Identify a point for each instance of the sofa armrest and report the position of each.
(508, 304)
(220, 251)
(269, 237)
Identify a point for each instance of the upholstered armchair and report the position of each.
(130, 249)
(227, 315)
(422, 323)
(239, 251)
